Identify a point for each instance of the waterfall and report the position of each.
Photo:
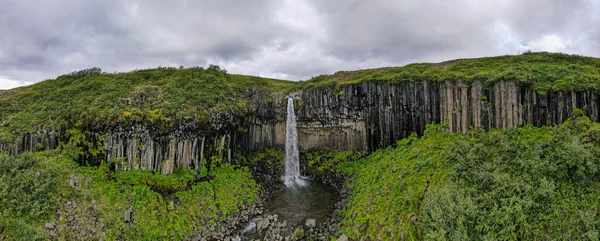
(292, 163)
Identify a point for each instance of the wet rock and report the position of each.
(343, 238)
(282, 225)
(269, 236)
(262, 224)
(310, 223)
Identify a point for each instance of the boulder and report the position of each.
(127, 215)
(49, 226)
(262, 224)
(282, 225)
(72, 181)
(343, 238)
(310, 223)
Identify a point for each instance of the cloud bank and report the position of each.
(288, 39)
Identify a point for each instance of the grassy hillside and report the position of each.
(35, 187)
(161, 96)
(516, 184)
(543, 71)
(166, 96)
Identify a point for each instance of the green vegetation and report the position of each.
(27, 196)
(162, 97)
(266, 157)
(323, 163)
(517, 184)
(159, 97)
(180, 179)
(388, 185)
(33, 186)
(543, 71)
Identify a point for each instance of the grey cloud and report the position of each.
(63, 37)
(403, 31)
(293, 39)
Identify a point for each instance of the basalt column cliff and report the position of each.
(363, 116)
(372, 115)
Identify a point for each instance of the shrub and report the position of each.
(27, 195)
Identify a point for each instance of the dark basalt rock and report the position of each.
(364, 116)
(372, 115)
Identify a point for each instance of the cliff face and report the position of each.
(507, 105)
(41, 138)
(374, 115)
(352, 117)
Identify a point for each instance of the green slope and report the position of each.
(516, 184)
(543, 71)
(33, 187)
(162, 97)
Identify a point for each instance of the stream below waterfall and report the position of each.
(294, 205)
(301, 199)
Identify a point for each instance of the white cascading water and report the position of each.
(292, 163)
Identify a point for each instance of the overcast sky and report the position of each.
(288, 39)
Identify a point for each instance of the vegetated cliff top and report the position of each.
(162, 97)
(166, 97)
(542, 71)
